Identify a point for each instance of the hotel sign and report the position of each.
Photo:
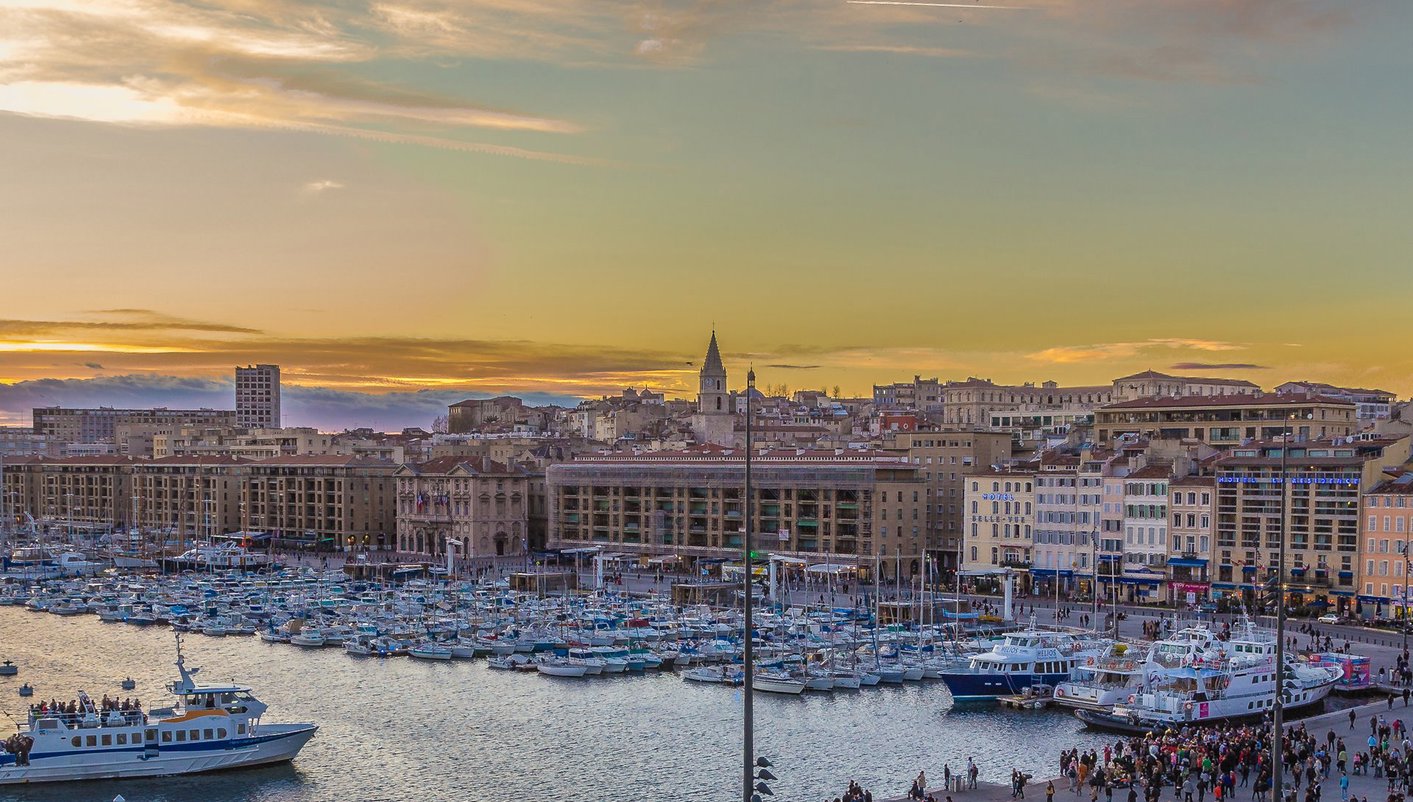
(1295, 480)
(998, 496)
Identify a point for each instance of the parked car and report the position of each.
(1330, 618)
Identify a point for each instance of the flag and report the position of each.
(421, 500)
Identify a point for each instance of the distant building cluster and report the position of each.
(1151, 488)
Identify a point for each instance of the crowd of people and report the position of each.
(85, 705)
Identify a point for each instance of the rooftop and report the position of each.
(1199, 401)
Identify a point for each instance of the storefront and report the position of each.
(1188, 592)
(1142, 588)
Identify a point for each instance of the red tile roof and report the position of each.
(1262, 400)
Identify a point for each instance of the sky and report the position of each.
(411, 201)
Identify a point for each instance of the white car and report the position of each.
(1328, 618)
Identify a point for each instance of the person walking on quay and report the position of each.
(972, 771)
(1352, 717)
(1050, 791)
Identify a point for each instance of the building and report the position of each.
(1372, 405)
(920, 395)
(77, 494)
(100, 425)
(1069, 495)
(1000, 516)
(24, 441)
(477, 414)
(944, 460)
(1146, 532)
(842, 507)
(977, 402)
(480, 505)
(257, 397)
(323, 501)
(1192, 503)
(190, 497)
(1152, 384)
(1225, 420)
(1384, 560)
(714, 422)
(1314, 495)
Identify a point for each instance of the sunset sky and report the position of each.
(412, 201)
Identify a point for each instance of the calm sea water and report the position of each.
(405, 730)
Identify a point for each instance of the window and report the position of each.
(207, 735)
(91, 740)
(123, 738)
(166, 737)
(107, 739)
(181, 736)
(76, 740)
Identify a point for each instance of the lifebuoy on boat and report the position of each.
(1187, 706)
(1132, 698)
(1089, 662)
(1060, 692)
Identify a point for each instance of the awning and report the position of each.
(1111, 558)
(1297, 571)
(1187, 562)
(789, 560)
(1132, 580)
(1346, 574)
(1248, 569)
(830, 568)
(1223, 586)
(1050, 572)
(1344, 593)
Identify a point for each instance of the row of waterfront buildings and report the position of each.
(1151, 488)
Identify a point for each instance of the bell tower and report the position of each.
(712, 398)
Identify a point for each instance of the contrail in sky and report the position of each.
(930, 5)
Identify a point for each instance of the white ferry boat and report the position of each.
(1101, 683)
(1192, 677)
(208, 728)
(224, 556)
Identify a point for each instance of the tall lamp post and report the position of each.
(748, 652)
(1407, 566)
(1278, 713)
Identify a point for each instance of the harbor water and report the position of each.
(404, 730)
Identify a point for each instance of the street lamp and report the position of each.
(1278, 713)
(748, 652)
(1407, 565)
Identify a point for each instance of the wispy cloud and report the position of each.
(1217, 366)
(1105, 352)
(321, 186)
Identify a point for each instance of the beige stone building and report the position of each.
(1000, 519)
(819, 506)
(1314, 497)
(944, 460)
(82, 493)
(1226, 420)
(1192, 503)
(190, 496)
(977, 402)
(483, 506)
(1152, 384)
(344, 502)
(1385, 531)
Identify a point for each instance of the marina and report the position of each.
(652, 732)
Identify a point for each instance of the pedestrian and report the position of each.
(1050, 791)
(1352, 717)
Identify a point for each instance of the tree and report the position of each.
(440, 424)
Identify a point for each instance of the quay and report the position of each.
(1361, 786)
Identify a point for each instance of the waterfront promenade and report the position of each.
(1361, 786)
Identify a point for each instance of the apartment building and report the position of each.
(849, 507)
(1152, 384)
(1068, 506)
(1312, 491)
(1192, 503)
(979, 402)
(1387, 526)
(76, 493)
(1227, 420)
(100, 425)
(944, 460)
(190, 496)
(257, 397)
(1371, 405)
(314, 500)
(480, 506)
(1146, 532)
(1000, 518)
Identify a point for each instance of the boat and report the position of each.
(225, 556)
(8, 669)
(777, 682)
(718, 674)
(1100, 683)
(429, 651)
(561, 667)
(26, 690)
(1023, 658)
(1192, 677)
(128, 684)
(207, 728)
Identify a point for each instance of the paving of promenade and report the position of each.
(1360, 785)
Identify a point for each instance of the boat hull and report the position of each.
(275, 744)
(968, 686)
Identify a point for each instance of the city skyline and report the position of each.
(563, 199)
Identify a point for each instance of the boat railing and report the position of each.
(90, 720)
